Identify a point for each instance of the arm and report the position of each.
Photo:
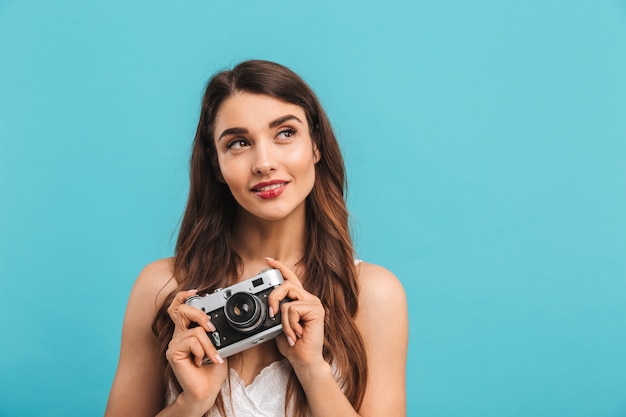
(382, 320)
(138, 385)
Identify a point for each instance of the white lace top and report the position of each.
(264, 397)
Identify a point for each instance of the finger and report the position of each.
(189, 348)
(287, 273)
(208, 348)
(184, 348)
(197, 351)
(185, 315)
(292, 316)
(292, 328)
(297, 315)
(282, 341)
(195, 345)
(285, 291)
(288, 291)
(179, 299)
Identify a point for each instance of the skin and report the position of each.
(260, 139)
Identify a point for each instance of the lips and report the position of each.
(270, 189)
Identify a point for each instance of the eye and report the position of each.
(237, 144)
(286, 133)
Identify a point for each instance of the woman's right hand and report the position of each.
(189, 346)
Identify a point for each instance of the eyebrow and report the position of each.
(233, 131)
(272, 124)
(284, 119)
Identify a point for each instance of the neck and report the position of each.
(255, 239)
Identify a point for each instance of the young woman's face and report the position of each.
(265, 154)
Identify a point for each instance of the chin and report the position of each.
(276, 214)
(273, 217)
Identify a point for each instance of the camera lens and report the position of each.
(244, 311)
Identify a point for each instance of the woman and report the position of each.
(267, 190)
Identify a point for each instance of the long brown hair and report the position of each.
(204, 255)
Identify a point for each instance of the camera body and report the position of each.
(240, 313)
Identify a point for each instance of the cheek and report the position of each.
(230, 173)
(304, 157)
(232, 181)
(307, 169)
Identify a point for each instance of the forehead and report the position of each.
(252, 111)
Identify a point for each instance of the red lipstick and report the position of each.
(269, 189)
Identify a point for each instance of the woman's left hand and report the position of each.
(302, 340)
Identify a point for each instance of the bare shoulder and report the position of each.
(152, 286)
(382, 306)
(379, 286)
(139, 374)
(155, 282)
(382, 319)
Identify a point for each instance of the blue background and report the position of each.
(485, 143)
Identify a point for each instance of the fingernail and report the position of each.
(290, 341)
(267, 258)
(193, 290)
(211, 326)
(271, 312)
(219, 358)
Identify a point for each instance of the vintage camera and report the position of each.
(240, 313)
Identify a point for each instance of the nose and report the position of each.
(265, 160)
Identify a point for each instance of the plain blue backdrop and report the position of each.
(485, 143)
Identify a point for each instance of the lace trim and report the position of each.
(234, 376)
(263, 397)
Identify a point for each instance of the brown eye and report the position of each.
(237, 144)
(286, 133)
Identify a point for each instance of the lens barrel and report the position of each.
(244, 311)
